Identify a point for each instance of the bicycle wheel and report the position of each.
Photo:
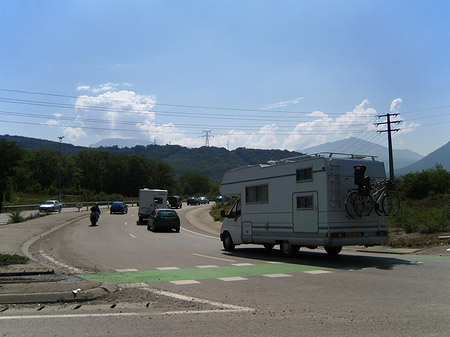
(378, 204)
(390, 203)
(363, 204)
(350, 204)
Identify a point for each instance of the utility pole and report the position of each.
(389, 131)
(207, 132)
(59, 168)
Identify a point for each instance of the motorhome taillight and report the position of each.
(337, 235)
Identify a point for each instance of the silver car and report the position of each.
(51, 206)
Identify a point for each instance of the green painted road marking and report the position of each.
(150, 276)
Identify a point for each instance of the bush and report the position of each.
(6, 259)
(15, 216)
(419, 185)
(412, 219)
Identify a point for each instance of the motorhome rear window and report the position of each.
(158, 201)
(304, 175)
(257, 194)
(305, 202)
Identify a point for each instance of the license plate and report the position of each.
(353, 234)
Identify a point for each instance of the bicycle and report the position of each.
(381, 196)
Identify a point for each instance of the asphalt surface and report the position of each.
(36, 282)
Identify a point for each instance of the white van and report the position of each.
(300, 202)
(149, 200)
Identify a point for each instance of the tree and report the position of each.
(10, 154)
(92, 165)
(419, 185)
(194, 184)
(43, 165)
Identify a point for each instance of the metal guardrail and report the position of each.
(67, 204)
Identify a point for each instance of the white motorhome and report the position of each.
(149, 200)
(300, 202)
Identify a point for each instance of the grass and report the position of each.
(15, 216)
(7, 259)
(217, 208)
(427, 216)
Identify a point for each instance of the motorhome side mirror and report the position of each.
(222, 213)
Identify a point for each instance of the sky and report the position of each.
(260, 74)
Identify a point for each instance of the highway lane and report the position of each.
(311, 294)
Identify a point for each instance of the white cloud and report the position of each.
(161, 133)
(111, 113)
(283, 103)
(325, 128)
(51, 122)
(395, 105)
(74, 134)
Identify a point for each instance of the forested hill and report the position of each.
(34, 143)
(209, 161)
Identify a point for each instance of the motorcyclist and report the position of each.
(95, 208)
(95, 214)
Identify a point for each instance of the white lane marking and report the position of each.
(316, 272)
(167, 268)
(242, 264)
(222, 307)
(274, 262)
(184, 282)
(126, 223)
(125, 270)
(207, 266)
(229, 307)
(214, 258)
(206, 236)
(134, 237)
(126, 314)
(51, 259)
(277, 275)
(232, 279)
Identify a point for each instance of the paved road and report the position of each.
(185, 284)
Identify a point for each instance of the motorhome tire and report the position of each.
(228, 244)
(287, 249)
(268, 246)
(333, 251)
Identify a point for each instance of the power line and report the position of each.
(128, 122)
(200, 106)
(311, 133)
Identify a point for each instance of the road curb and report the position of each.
(75, 295)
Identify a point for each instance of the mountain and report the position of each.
(34, 143)
(440, 156)
(209, 161)
(353, 145)
(119, 142)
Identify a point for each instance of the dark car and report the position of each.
(51, 206)
(118, 207)
(164, 219)
(203, 200)
(175, 201)
(192, 201)
(220, 198)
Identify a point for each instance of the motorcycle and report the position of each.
(94, 218)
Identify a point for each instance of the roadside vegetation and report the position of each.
(31, 176)
(7, 259)
(425, 209)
